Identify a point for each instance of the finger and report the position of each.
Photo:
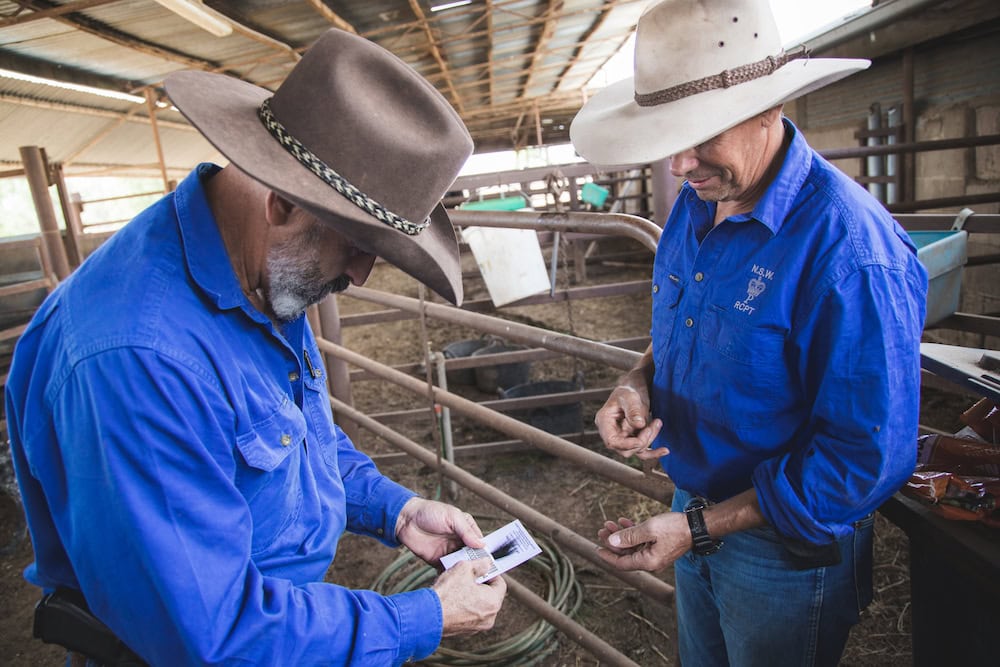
(498, 584)
(632, 407)
(622, 561)
(630, 537)
(650, 454)
(481, 566)
(469, 531)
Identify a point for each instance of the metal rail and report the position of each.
(523, 333)
(644, 582)
(639, 229)
(652, 485)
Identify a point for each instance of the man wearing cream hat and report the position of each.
(781, 388)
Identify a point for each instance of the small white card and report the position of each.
(507, 547)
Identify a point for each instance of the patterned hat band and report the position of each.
(311, 162)
(725, 79)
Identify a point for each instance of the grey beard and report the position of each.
(295, 286)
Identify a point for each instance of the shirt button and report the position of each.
(689, 322)
(656, 288)
(699, 276)
(285, 439)
(293, 376)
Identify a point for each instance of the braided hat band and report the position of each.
(725, 79)
(311, 162)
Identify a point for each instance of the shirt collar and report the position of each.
(204, 251)
(774, 206)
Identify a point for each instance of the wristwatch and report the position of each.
(704, 545)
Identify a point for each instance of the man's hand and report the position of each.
(431, 529)
(651, 545)
(466, 606)
(624, 425)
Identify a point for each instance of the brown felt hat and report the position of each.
(354, 136)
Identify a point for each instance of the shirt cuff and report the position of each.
(393, 496)
(420, 623)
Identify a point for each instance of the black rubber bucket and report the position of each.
(556, 419)
(463, 348)
(492, 379)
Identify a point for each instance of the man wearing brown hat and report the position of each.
(781, 389)
(167, 405)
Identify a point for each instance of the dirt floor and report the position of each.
(641, 629)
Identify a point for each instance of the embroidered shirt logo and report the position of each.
(755, 288)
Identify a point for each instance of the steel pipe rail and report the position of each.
(598, 648)
(639, 229)
(644, 582)
(571, 345)
(652, 486)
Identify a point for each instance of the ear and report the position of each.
(771, 116)
(277, 209)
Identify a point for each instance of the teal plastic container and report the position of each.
(943, 254)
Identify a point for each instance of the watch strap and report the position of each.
(703, 544)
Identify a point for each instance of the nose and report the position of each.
(683, 162)
(359, 266)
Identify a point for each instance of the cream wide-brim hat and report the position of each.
(681, 47)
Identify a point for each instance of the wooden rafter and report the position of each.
(541, 44)
(335, 19)
(489, 50)
(581, 45)
(52, 12)
(436, 53)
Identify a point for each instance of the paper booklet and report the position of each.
(508, 547)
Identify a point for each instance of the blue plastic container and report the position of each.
(943, 254)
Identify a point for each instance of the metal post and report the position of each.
(446, 436)
(36, 169)
(892, 159)
(874, 162)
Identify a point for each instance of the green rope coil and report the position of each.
(525, 648)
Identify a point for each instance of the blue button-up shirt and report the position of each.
(180, 466)
(786, 344)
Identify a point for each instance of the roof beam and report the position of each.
(335, 19)
(52, 12)
(104, 31)
(436, 53)
(548, 29)
(65, 73)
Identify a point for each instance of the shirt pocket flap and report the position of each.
(273, 439)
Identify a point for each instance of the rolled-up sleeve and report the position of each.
(859, 354)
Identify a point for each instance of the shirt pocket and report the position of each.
(744, 379)
(667, 295)
(269, 477)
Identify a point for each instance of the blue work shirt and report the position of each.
(180, 466)
(786, 344)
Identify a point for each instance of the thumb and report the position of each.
(630, 537)
(631, 405)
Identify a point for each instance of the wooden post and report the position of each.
(664, 190)
(36, 169)
(74, 228)
(338, 373)
(151, 105)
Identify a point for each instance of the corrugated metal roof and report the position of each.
(503, 64)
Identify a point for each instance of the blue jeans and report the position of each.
(747, 606)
